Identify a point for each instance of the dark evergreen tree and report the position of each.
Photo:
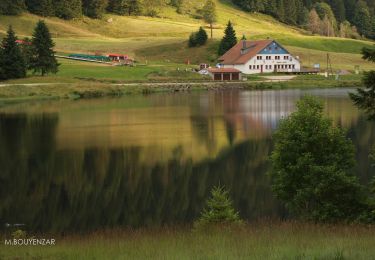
(198, 38)
(26, 49)
(350, 6)
(12, 7)
(68, 9)
(338, 8)
(94, 8)
(124, 7)
(43, 58)
(362, 19)
(365, 98)
(192, 40)
(202, 36)
(229, 39)
(12, 63)
(281, 10)
(41, 7)
(291, 11)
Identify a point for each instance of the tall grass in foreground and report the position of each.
(259, 240)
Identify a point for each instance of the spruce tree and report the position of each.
(202, 36)
(124, 7)
(68, 9)
(12, 62)
(43, 58)
(12, 7)
(365, 98)
(362, 19)
(229, 39)
(41, 7)
(219, 210)
(94, 8)
(338, 9)
(198, 38)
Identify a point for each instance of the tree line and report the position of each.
(346, 18)
(69, 9)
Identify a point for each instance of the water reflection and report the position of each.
(148, 160)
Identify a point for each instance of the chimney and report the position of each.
(244, 47)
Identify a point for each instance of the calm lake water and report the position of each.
(150, 160)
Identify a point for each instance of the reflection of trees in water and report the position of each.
(56, 190)
(76, 189)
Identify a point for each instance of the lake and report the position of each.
(150, 160)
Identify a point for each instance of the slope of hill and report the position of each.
(163, 39)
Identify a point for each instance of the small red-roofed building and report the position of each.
(224, 74)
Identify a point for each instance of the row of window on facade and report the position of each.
(270, 57)
(270, 67)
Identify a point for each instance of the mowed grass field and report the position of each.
(290, 240)
(161, 42)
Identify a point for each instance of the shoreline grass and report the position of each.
(256, 240)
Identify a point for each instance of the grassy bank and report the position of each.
(289, 240)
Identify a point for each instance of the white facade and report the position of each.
(268, 63)
(260, 57)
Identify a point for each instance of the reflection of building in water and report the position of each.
(266, 108)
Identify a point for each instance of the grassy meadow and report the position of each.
(264, 240)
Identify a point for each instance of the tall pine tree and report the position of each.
(12, 7)
(68, 9)
(94, 8)
(365, 98)
(43, 58)
(124, 7)
(12, 63)
(41, 7)
(229, 39)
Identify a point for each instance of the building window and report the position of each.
(257, 67)
(286, 57)
(294, 66)
(259, 57)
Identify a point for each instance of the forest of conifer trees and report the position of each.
(342, 18)
(345, 18)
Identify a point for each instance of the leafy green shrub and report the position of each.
(219, 210)
(310, 167)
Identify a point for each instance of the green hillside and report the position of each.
(164, 39)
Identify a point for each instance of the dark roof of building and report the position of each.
(240, 55)
(223, 70)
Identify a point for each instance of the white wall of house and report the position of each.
(268, 63)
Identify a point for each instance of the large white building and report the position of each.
(266, 56)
